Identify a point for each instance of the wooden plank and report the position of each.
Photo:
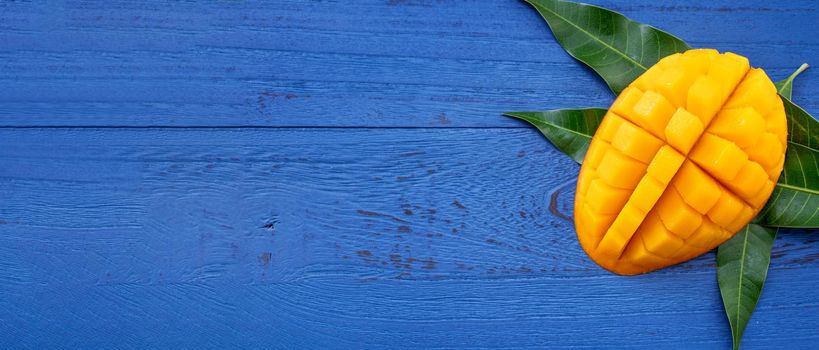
(337, 238)
(363, 63)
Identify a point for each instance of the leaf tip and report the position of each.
(518, 115)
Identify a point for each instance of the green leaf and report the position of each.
(785, 87)
(742, 266)
(615, 47)
(570, 130)
(795, 199)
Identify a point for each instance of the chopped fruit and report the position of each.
(620, 232)
(620, 171)
(676, 215)
(728, 69)
(755, 91)
(742, 126)
(585, 180)
(610, 199)
(749, 181)
(665, 164)
(611, 123)
(597, 150)
(773, 173)
(698, 189)
(657, 239)
(596, 223)
(727, 209)
(777, 124)
(683, 130)
(636, 142)
(652, 112)
(687, 155)
(624, 105)
(670, 61)
(698, 61)
(646, 81)
(673, 83)
(646, 194)
(638, 254)
(720, 157)
(768, 151)
(760, 198)
(705, 98)
(705, 236)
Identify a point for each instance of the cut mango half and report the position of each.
(685, 157)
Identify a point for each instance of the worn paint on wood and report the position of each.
(377, 201)
(340, 238)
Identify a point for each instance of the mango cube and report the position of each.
(720, 157)
(652, 112)
(683, 130)
(620, 171)
(636, 142)
(743, 126)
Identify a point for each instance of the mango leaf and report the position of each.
(570, 130)
(795, 199)
(742, 266)
(615, 47)
(785, 87)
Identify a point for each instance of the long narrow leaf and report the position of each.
(570, 130)
(742, 266)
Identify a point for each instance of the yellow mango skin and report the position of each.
(687, 155)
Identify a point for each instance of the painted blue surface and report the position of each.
(321, 174)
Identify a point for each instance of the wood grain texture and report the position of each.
(381, 201)
(336, 239)
(327, 63)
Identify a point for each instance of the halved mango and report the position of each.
(686, 156)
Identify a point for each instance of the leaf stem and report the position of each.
(789, 81)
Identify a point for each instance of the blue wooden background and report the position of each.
(337, 174)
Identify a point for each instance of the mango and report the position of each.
(686, 156)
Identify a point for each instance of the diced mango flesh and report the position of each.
(652, 112)
(665, 164)
(683, 130)
(718, 156)
(677, 216)
(697, 188)
(742, 126)
(636, 142)
(686, 156)
(620, 171)
(659, 240)
(610, 199)
(769, 151)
